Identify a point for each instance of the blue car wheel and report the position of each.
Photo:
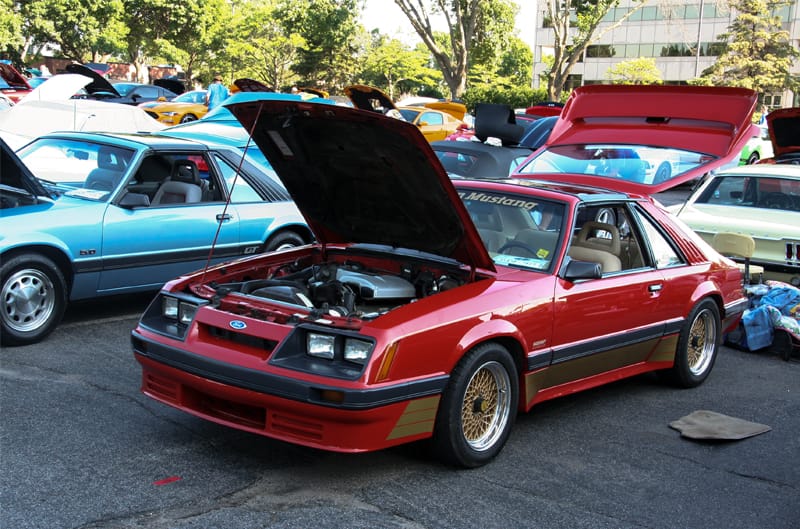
(33, 295)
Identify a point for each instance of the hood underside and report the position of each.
(784, 131)
(98, 84)
(362, 177)
(14, 173)
(714, 123)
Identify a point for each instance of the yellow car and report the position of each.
(437, 120)
(189, 106)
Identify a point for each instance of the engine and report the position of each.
(347, 290)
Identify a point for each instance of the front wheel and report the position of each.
(188, 118)
(478, 407)
(698, 345)
(33, 294)
(283, 241)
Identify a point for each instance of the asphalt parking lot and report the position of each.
(82, 448)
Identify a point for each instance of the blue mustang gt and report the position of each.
(87, 215)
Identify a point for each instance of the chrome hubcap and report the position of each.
(486, 406)
(28, 300)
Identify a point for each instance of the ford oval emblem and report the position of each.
(238, 324)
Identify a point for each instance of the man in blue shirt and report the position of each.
(216, 93)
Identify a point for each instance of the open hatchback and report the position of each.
(644, 139)
(433, 308)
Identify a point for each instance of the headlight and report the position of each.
(356, 350)
(321, 345)
(178, 310)
(169, 307)
(170, 114)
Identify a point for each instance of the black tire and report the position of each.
(478, 407)
(188, 118)
(754, 158)
(33, 297)
(698, 346)
(283, 240)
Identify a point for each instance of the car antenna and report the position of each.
(221, 217)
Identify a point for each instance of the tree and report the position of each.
(473, 26)
(11, 36)
(758, 54)
(329, 29)
(570, 43)
(262, 48)
(83, 31)
(197, 32)
(636, 71)
(389, 63)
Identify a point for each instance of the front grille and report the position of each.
(793, 253)
(261, 346)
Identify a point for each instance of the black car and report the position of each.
(123, 92)
(500, 144)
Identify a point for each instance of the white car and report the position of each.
(761, 200)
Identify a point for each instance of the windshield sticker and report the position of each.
(497, 199)
(280, 143)
(521, 262)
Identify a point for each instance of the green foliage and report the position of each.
(11, 36)
(520, 97)
(636, 71)
(328, 28)
(392, 66)
(758, 53)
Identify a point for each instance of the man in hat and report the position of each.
(216, 93)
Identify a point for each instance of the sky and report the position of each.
(390, 20)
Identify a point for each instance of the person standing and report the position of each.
(216, 93)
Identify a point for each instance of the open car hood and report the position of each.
(59, 87)
(784, 131)
(691, 129)
(173, 85)
(14, 173)
(98, 84)
(362, 177)
(13, 78)
(245, 84)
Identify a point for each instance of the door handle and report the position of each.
(655, 288)
(223, 216)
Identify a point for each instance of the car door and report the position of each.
(620, 319)
(145, 246)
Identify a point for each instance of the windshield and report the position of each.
(523, 232)
(77, 164)
(124, 88)
(634, 163)
(409, 114)
(191, 97)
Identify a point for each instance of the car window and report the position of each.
(432, 118)
(607, 234)
(174, 178)
(146, 92)
(240, 190)
(409, 114)
(750, 191)
(518, 231)
(456, 163)
(663, 252)
(78, 164)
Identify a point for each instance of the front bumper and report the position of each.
(293, 410)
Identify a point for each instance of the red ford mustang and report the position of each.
(437, 309)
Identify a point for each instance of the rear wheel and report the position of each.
(754, 157)
(478, 407)
(698, 346)
(33, 294)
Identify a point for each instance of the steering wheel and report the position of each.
(517, 244)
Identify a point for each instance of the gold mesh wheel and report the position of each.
(702, 342)
(486, 406)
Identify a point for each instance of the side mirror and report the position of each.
(134, 200)
(422, 124)
(576, 270)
